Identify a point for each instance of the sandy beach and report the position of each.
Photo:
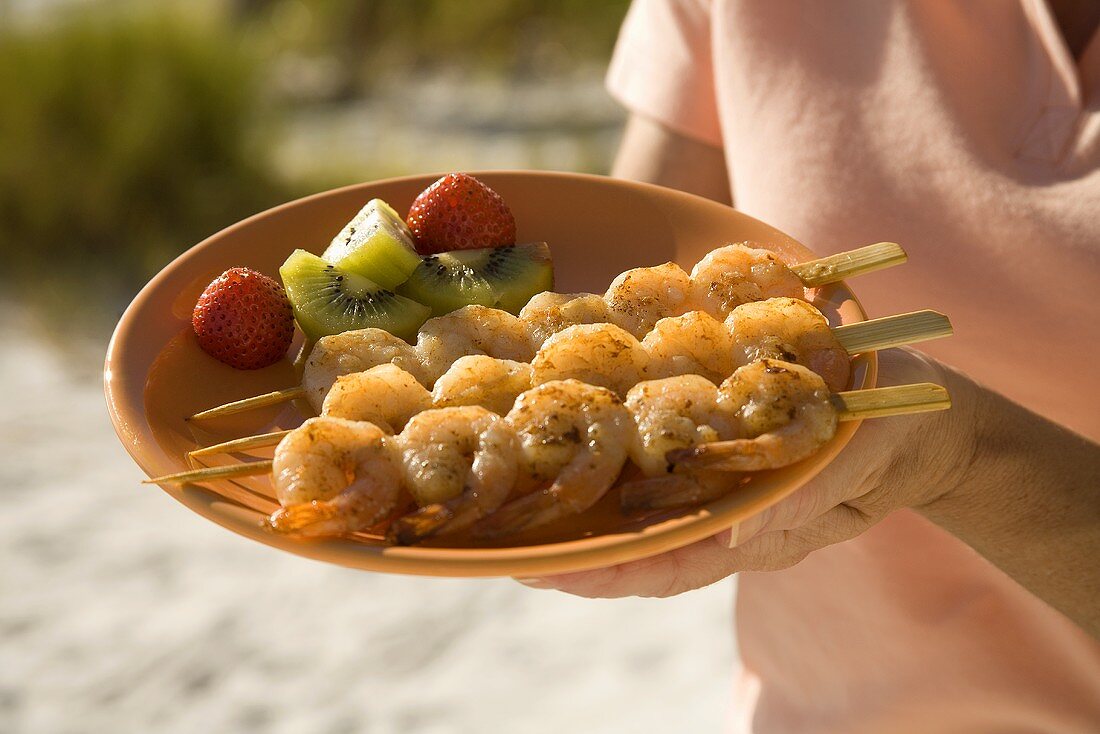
(121, 611)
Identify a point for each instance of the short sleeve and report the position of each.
(662, 67)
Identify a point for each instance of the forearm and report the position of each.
(1027, 497)
(654, 154)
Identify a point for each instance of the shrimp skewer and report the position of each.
(636, 300)
(573, 435)
(335, 476)
(694, 343)
(460, 464)
(784, 413)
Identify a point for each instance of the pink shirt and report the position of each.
(966, 131)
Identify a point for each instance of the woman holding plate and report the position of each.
(941, 573)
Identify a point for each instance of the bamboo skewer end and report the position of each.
(847, 264)
(893, 331)
(212, 473)
(257, 401)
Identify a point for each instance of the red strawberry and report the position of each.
(244, 319)
(458, 212)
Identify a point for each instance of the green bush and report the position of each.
(123, 141)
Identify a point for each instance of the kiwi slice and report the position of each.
(503, 277)
(329, 300)
(376, 244)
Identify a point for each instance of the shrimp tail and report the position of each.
(419, 525)
(670, 491)
(309, 519)
(739, 454)
(528, 511)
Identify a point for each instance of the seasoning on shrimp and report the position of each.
(548, 313)
(334, 476)
(386, 396)
(471, 330)
(482, 380)
(735, 274)
(460, 464)
(575, 437)
(599, 354)
(640, 297)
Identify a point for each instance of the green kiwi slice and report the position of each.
(502, 277)
(329, 300)
(375, 244)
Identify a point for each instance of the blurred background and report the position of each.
(130, 131)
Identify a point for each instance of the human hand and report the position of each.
(890, 463)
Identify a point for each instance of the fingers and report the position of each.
(691, 567)
(779, 549)
(710, 560)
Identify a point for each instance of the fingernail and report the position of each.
(734, 533)
(535, 583)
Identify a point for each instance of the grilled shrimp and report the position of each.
(638, 298)
(599, 354)
(573, 436)
(480, 380)
(471, 330)
(695, 343)
(783, 411)
(548, 313)
(791, 330)
(386, 396)
(736, 274)
(355, 351)
(458, 452)
(334, 476)
(675, 413)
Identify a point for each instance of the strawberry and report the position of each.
(458, 212)
(244, 319)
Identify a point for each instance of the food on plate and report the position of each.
(478, 379)
(466, 457)
(571, 440)
(678, 345)
(375, 244)
(674, 413)
(334, 476)
(729, 276)
(783, 411)
(792, 330)
(640, 297)
(243, 318)
(459, 212)
(328, 300)
(355, 351)
(599, 354)
(385, 395)
(548, 313)
(471, 330)
(694, 343)
(574, 439)
(504, 277)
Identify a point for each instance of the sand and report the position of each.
(121, 611)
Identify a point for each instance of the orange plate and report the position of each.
(155, 374)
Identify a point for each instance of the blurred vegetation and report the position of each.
(131, 130)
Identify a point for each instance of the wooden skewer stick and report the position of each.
(879, 402)
(850, 405)
(241, 444)
(892, 331)
(847, 264)
(256, 401)
(863, 336)
(209, 474)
